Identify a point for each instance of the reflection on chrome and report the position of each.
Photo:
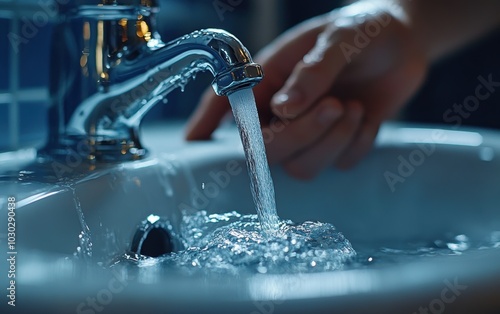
(110, 67)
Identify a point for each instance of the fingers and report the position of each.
(361, 145)
(329, 147)
(207, 116)
(311, 78)
(277, 60)
(285, 138)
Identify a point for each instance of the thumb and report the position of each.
(311, 78)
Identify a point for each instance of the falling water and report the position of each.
(247, 119)
(84, 250)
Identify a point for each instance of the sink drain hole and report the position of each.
(153, 238)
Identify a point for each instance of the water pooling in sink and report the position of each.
(235, 244)
(257, 243)
(279, 246)
(262, 243)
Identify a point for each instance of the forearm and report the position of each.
(442, 26)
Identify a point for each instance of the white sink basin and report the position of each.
(418, 184)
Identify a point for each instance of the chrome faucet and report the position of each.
(109, 67)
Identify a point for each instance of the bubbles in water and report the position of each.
(495, 238)
(459, 243)
(456, 243)
(84, 250)
(234, 243)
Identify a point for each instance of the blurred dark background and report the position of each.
(255, 22)
(453, 79)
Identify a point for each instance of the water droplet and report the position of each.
(262, 269)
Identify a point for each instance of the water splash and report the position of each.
(234, 244)
(247, 119)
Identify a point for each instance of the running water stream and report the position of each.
(247, 119)
(263, 243)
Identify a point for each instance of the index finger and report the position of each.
(278, 60)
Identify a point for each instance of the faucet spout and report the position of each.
(100, 103)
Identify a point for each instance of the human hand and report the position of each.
(329, 84)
